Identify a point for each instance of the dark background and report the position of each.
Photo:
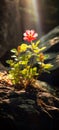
(17, 16)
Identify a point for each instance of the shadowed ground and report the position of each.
(36, 107)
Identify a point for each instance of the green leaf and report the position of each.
(16, 59)
(41, 49)
(13, 56)
(24, 71)
(13, 50)
(30, 71)
(24, 62)
(9, 61)
(37, 43)
(48, 66)
(35, 69)
(46, 56)
(16, 65)
(36, 50)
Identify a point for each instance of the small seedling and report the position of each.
(27, 60)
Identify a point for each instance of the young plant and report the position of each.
(27, 61)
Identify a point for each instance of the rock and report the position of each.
(51, 41)
(26, 109)
(2, 67)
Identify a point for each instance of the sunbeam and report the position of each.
(30, 15)
(37, 16)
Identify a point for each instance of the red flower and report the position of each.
(30, 35)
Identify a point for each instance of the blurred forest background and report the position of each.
(16, 16)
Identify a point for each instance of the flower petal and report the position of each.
(30, 35)
(35, 35)
(28, 32)
(32, 32)
(25, 34)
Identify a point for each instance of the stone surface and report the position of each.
(32, 108)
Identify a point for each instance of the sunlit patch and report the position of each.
(4, 78)
(57, 59)
(54, 41)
